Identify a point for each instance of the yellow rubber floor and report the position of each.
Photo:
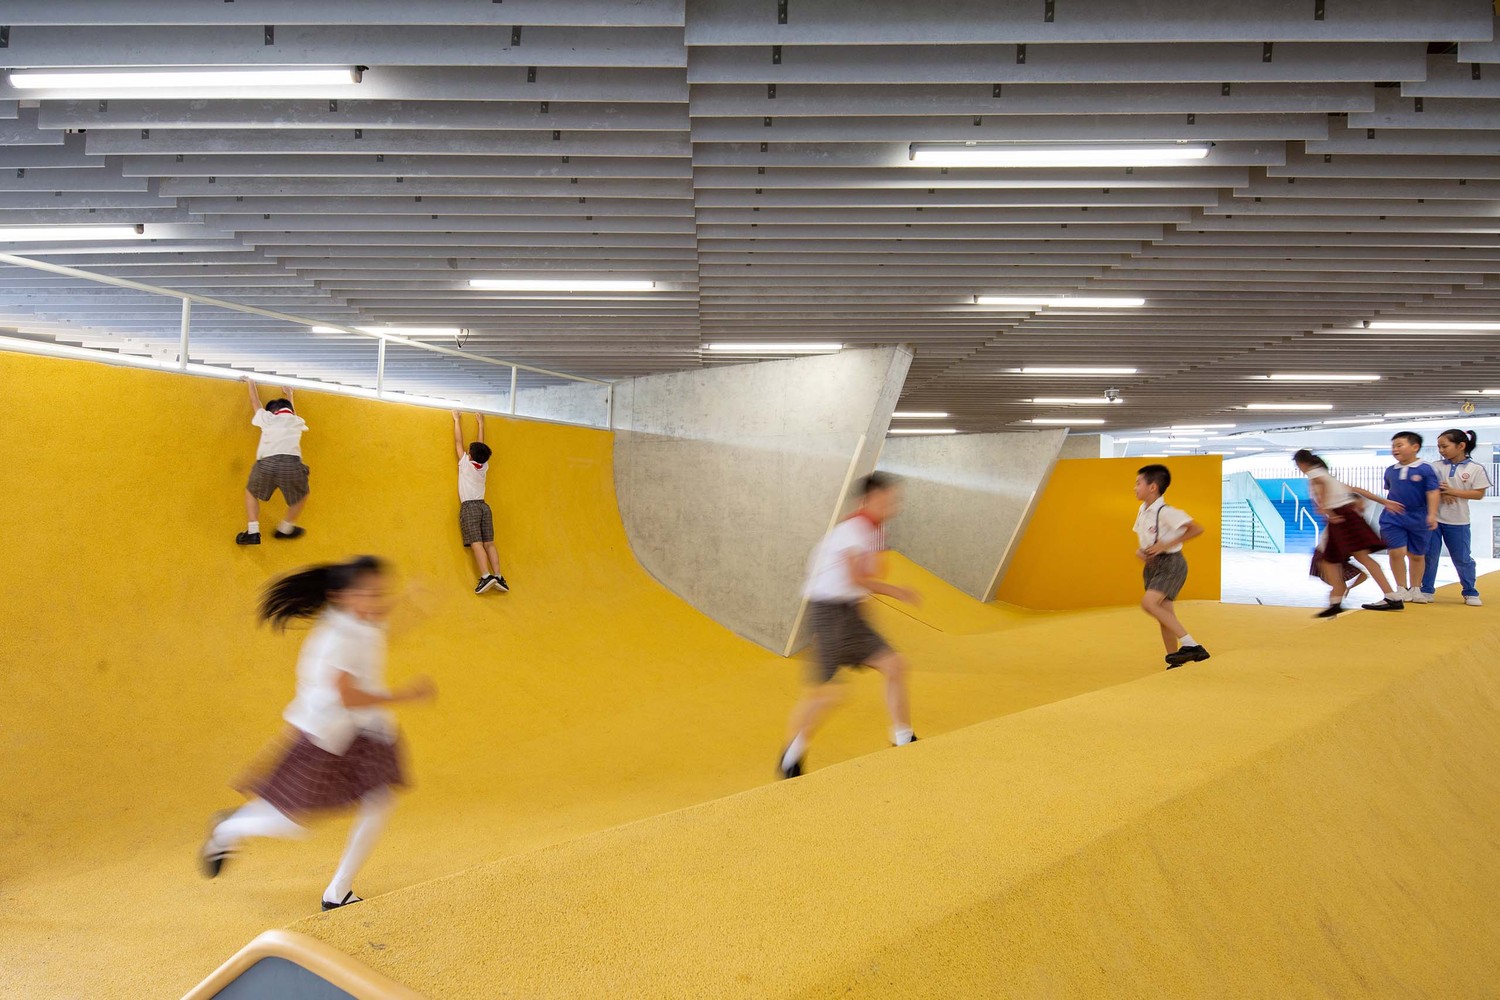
(136, 684)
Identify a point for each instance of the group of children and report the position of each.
(1425, 509)
(279, 466)
(344, 750)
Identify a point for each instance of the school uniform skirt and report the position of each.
(1351, 533)
(306, 778)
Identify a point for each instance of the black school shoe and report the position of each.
(297, 532)
(212, 862)
(1332, 611)
(349, 897)
(1385, 605)
(1187, 654)
(247, 538)
(795, 771)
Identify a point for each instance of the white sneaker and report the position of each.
(1418, 597)
(1473, 601)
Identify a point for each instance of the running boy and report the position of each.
(1413, 485)
(278, 465)
(841, 575)
(1161, 530)
(1460, 479)
(475, 520)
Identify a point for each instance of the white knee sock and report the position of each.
(254, 819)
(374, 812)
(1186, 639)
(254, 528)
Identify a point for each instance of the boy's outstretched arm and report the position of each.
(458, 435)
(254, 393)
(480, 417)
(286, 390)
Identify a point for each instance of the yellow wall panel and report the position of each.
(1079, 549)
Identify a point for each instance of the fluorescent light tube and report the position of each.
(1323, 378)
(1074, 154)
(1075, 400)
(1430, 325)
(1076, 371)
(1289, 406)
(1421, 413)
(560, 285)
(1068, 422)
(775, 348)
(399, 331)
(174, 79)
(1352, 420)
(1061, 301)
(1186, 427)
(920, 415)
(922, 430)
(63, 234)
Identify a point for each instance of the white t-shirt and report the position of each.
(340, 643)
(471, 479)
(280, 433)
(1335, 493)
(1465, 475)
(1158, 517)
(828, 576)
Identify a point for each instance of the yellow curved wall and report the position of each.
(1079, 549)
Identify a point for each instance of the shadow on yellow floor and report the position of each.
(137, 684)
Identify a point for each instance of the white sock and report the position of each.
(1392, 595)
(901, 737)
(254, 528)
(794, 750)
(254, 819)
(286, 527)
(1186, 640)
(369, 823)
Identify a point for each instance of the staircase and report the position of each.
(1241, 528)
(1291, 499)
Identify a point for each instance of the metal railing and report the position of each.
(381, 338)
(1244, 529)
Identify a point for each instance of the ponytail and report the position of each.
(305, 593)
(1308, 458)
(1467, 440)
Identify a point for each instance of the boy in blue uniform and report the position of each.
(1413, 484)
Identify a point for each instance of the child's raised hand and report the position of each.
(1394, 506)
(911, 597)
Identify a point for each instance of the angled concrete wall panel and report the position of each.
(727, 477)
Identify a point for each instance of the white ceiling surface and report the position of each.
(751, 157)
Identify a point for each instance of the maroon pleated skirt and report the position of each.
(1350, 534)
(306, 778)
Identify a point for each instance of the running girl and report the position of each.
(1349, 536)
(345, 750)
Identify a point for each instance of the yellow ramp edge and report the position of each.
(1309, 814)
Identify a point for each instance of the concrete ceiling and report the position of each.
(751, 157)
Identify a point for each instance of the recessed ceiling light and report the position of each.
(561, 285)
(919, 415)
(1289, 406)
(1421, 413)
(1076, 371)
(1182, 427)
(1059, 301)
(1076, 400)
(1352, 420)
(399, 331)
(43, 234)
(1313, 377)
(1068, 422)
(922, 430)
(1430, 325)
(119, 79)
(789, 348)
(1068, 154)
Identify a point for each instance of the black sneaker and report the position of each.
(484, 584)
(795, 771)
(1187, 654)
(297, 532)
(1332, 611)
(1385, 605)
(247, 538)
(500, 583)
(349, 897)
(212, 861)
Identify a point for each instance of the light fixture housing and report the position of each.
(788, 348)
(1060, 301)
(108, 80)
(922, 430)
(1315, 377)
(1047, 370)
(1383, 324)
(1419, 413)
(1066, 421)
(920, 415)
(1055, 154)
(562, 285)
(1076, 400)
(65, 234)
(399, 331)
(1289, 407)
